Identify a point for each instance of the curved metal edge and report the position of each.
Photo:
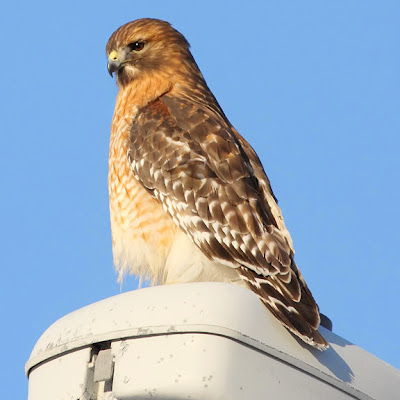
(140, 332)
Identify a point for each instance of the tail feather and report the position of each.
(291, 303)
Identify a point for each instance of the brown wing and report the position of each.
(190, 159)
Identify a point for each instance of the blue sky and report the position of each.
(314, 86)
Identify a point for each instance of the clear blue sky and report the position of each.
(314, 86)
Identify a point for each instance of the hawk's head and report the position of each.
(146, 46)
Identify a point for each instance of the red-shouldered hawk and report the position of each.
(189, 198)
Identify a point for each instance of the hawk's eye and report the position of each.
(136, 46)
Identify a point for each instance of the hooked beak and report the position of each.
(113, 66)
(114, 63)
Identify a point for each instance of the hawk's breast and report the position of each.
(142, 233)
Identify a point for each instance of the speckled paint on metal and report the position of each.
(198, 340)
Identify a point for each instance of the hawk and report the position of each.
(189, 198)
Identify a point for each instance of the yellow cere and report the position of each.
(113, 56)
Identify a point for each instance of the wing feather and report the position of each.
(213, 185)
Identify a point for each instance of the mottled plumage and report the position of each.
(189, 198)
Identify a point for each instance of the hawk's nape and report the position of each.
(189, 198)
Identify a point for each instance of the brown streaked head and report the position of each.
(146, 46)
